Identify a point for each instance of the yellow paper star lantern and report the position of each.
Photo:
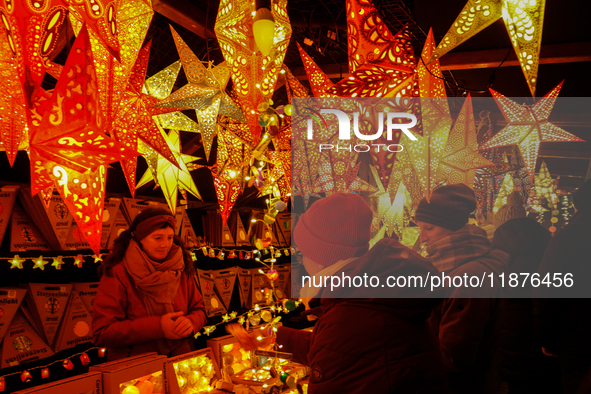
(506, 189)
(134, 120)
(254, 75)
(40, 263)
(17, 262)
(97, 258)
(426, 151)
(460, 158)
(527, 127)
(523, 20)
(205, 93)
(169, 177)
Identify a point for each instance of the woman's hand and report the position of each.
(169, 324)
(183, 326)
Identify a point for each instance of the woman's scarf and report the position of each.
(159, 282)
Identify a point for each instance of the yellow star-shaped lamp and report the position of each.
(134, 119)
(40, 263)
(460, 158)
(254, 74)
(205, 93)
(506, 189)
(527, 127)
(57, 262)
(169, 177)
(523, 20)
(97, 258)
(17, 262)
(426, 151)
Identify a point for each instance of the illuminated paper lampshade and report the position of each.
(370, 40)
(13, 116)
(205, 93)
(319, 81)
(233, 156)
(544, 184)
(293, 85)
(461, 158)
(101, 17)
(426, 151)
(135, 118)
(506, 189)
(254, 75)
(133, 19)
(169, 177)
(527, 127)
(227, 193)
(69, 136)
(523, 20)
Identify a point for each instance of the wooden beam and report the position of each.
(549, 54)
(187, 14)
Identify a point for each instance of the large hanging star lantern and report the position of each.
(69, 135)
(523, 20)
(426, 151)
(160, 86)
(169, 177)
(134, 118)
(504, 192)
(133, 19)
(35, 27)
(527, 127)
(380, 64)
(319, 81)
(460, 158)
(68, 148)
(205, 93)
(253, 74)
(13, 116)
(293, 86)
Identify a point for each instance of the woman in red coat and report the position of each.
(147, 298)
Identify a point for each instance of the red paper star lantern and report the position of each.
(134, 119)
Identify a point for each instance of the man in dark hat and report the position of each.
(466, 326)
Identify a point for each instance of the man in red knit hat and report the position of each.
(362, 342)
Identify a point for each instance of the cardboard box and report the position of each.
(187, 233)
(244, 278)
(22, 344)
(109, 215)
(211, 300)
(147, 369)
(60, 218)
(260, 282)
(229, 354)
(119, 226)
(87, 291)
(76, 239)
(10, 299)
(76, 325)
(7, 198)
(24, 235)
(192, 372)
(224, 284)
(48, 302)
(86, 383)
(284, 224)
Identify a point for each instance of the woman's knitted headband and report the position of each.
(148, 226)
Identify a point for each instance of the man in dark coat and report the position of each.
(564, 325)
(362, 343)
(521, 362)
(467, 326)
